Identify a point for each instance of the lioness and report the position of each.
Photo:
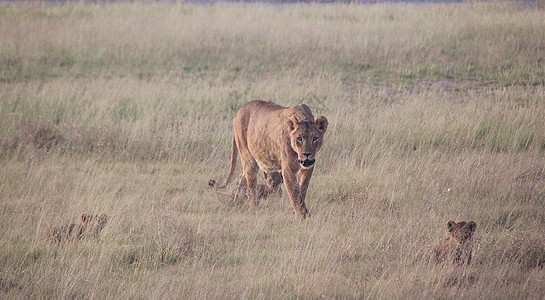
(276, 139)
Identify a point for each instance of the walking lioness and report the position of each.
(276, 139)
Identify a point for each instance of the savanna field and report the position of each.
(436, 113)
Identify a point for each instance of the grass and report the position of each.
(436, 113)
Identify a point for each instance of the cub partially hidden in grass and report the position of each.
(272, 186)
(90, 224)
(458, 247)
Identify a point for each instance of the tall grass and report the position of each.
(498, 43)
(436, 113)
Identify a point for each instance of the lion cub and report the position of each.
(272, 187)
(458, 247)
(90, 224)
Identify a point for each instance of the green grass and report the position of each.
(436, 113)
(495, 43)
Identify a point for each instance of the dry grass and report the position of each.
(436, 113)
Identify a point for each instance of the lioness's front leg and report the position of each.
(294, 191)
(304, 180)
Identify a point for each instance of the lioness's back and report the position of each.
(254, 119)
(258, 107)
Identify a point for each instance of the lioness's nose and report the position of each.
(307, 155)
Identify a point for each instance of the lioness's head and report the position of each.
(306, 139)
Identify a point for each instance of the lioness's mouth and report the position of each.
(307, 162)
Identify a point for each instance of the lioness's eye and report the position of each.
(314, 139)
(299, 139)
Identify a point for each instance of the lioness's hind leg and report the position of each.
(250, 169)
(240, 193)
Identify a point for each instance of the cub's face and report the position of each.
(306, 139)
(462, 231)
(273, 179)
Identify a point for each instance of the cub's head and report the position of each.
(273, 179)
(462, 231)
(306, 138)
(92, 223)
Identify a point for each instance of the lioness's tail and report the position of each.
(234, 153)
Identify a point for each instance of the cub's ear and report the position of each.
(86, 218)
(292, 123)
(451, 225)
(321, 123)
(472, 225)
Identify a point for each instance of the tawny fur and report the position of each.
(458, 247)
(61, 233)
(272, 187)
(278, 139)
(90, 224)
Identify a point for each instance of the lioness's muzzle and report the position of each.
(307, 162)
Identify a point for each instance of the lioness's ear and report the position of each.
(322, 123)
(451, 225)
(292, 122)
